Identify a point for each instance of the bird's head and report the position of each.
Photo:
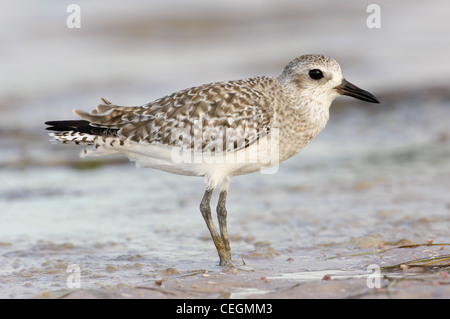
(320, 78)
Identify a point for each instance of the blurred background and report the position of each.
(395, 154)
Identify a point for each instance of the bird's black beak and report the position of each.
(346, 88)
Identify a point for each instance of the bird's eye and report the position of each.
(315, 74)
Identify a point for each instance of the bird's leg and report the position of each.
(222, 217)
(205, 209)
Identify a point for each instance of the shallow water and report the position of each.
(377, 174)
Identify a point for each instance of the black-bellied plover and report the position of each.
(218, 130)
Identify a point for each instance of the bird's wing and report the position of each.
(223, 116)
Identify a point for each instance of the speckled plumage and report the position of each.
(218, 130)
(238, 106)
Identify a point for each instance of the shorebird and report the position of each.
(218, 130)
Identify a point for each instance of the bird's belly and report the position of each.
(187, 162)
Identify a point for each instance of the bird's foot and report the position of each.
(226, 263)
